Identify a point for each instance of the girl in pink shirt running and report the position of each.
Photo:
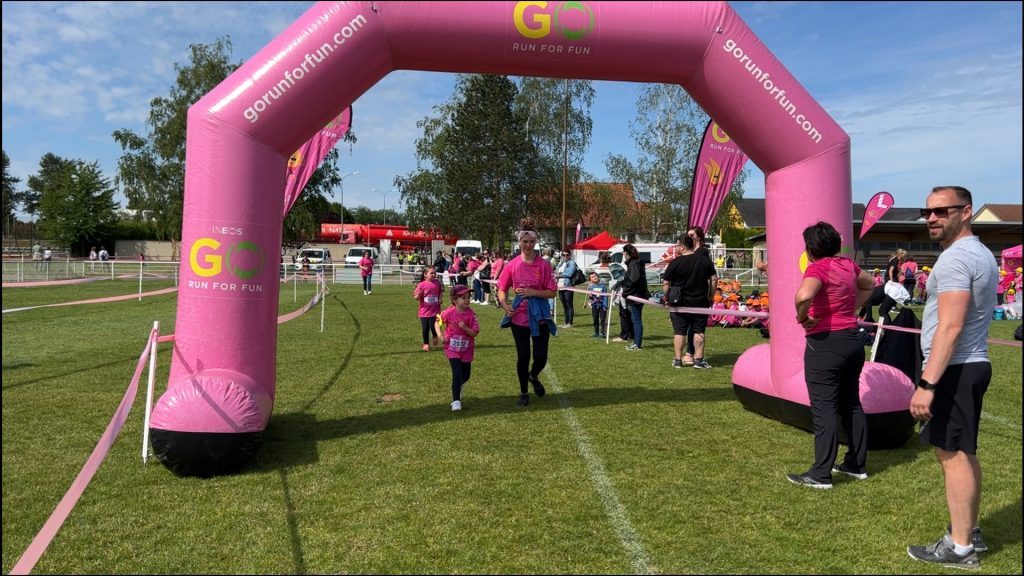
(428, 293)
(460, 330)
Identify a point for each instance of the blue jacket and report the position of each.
(538, 311)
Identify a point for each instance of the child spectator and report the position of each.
(460, 330)
(598, 305)
(728, 320)
(718, 304)
(428, 292)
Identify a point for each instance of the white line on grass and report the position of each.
(1000, 420)
(609, 497)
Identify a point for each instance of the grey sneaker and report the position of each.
(805, 480)
(632, 347)
(942, 553)
(701, 364)
(976, 540)
(677, 363)
(842, 469)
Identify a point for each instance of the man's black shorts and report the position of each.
(681, 323)
(956, 408)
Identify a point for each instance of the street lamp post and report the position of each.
(385, 194)
(341, 184)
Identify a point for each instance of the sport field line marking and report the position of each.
(613, 507)
(1000, 420)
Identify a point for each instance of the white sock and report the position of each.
(960, 550)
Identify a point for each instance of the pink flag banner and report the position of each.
(579, 228)
(305, 160)
(877, 206)
(718, 164)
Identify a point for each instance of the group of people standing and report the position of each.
(955, 375)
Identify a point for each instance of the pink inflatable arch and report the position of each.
(241, 134)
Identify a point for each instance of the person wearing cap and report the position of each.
(529, 279)
(458, 338)
(922, 288)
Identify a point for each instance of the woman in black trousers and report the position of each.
(826, 306)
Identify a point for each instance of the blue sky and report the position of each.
(929, 92)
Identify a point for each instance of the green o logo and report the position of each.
(569, 33)
(245, 273)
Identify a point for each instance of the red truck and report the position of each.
(371, 234)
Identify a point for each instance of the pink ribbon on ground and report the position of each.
(53, 524)
(67, 503)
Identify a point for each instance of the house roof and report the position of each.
(1004, 212)
(751, 211)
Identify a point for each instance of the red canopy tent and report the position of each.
(602, 241)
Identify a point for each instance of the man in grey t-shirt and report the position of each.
(957, 371)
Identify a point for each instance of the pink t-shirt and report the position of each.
(496, 267)
(835, 304)
(473, 265)
(365, 266)
(458, 344)
(429, 294)
(520, 274)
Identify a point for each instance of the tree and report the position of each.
(479, 163)
(558, 123)
(76, 203)
(151, 171)
(667, 131)
(11, 196)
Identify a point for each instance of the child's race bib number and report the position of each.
(458, 343)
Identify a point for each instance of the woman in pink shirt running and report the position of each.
(528, 277)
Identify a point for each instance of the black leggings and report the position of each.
(460, 375)
(428, 329)
(522, 336)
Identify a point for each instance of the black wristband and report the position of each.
(922, 383)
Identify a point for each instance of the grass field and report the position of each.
(628, 465)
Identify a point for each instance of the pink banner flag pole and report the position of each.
(579, 228)
(876, 208)
(718, 164)
(305, 160)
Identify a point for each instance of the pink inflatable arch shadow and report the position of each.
(242, 133)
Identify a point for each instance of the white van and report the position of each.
(355, 254)
(468, 247)
(314, 258)
(650, 253)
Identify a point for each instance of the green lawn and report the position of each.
(628, 465)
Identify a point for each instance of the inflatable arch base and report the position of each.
(238, 410)
(884, 394)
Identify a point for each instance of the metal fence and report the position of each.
(27, 270)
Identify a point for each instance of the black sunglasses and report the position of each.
(941, 211)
